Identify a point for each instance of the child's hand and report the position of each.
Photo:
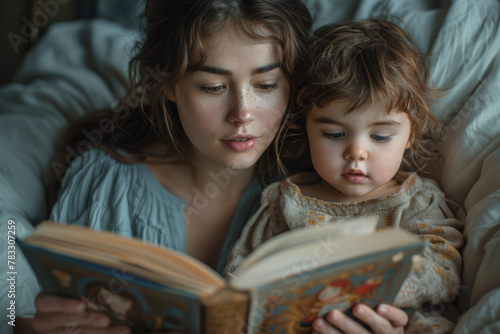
(387, 319)
(56, 314)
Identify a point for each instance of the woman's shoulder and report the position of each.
(95, 178)
(97, 164)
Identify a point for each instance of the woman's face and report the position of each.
(231, 107)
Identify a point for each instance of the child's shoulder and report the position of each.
(288, 186)
(421, 189)
(424, 183)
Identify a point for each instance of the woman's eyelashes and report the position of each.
(212, 89)
(267, 87)
(262, 87)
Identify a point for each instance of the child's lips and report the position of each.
(354, 176)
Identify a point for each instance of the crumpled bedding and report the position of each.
(82, 66)
(78, 67)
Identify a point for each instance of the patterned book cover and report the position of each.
(128, 299)
(292, 304)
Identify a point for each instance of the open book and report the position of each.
(283, 285)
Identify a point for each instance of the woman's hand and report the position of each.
(387, 319)
(56, 314)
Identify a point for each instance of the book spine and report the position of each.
(229, 317)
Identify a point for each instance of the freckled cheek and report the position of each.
(270, 112)
(208, 111)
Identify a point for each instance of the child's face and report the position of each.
(357, 155)
(231, 108)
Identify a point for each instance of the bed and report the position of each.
(80, 66)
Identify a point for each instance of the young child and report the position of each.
(366, 111)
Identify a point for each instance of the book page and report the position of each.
(324, 251)
(125, 250)
(290, 239)
(160, 275)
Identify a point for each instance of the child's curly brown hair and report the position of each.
(364, 62)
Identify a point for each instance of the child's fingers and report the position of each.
(321, 326)
(376, 322)
(396, 316)
(344, 323)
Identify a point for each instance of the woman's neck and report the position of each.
(211, 196)
(187, 180)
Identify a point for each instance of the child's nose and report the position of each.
(356, 151)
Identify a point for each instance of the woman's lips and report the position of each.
(354, 176)
(240, 144)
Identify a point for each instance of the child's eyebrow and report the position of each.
(221, 71)
(326, 120)
(388, 122)
(331, 121)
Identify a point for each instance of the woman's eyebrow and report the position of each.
(222, 71)
(214, 70)
(265, 68)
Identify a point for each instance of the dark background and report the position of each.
(15, 13)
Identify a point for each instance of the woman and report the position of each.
(216, 81)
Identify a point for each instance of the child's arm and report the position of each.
(436, 278)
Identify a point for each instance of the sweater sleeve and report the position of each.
(264, 224)
(436, 276)
(84, 191)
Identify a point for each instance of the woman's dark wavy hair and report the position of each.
(173, 43)
(364, 62)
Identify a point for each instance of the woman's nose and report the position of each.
(356, 151)
(240, 109)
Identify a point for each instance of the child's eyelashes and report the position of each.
(334, 135)
(340, 135)
(381, 139)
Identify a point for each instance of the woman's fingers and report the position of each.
(62, 315)
(88, 330)
(47, 321)
(48, 303)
